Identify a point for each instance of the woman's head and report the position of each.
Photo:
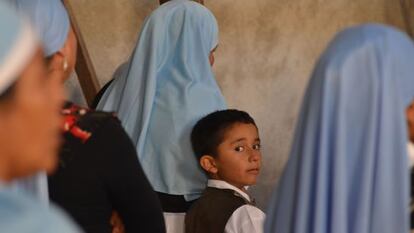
(182, 29)
(29, 102)
(51, 21)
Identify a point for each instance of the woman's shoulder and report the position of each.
(82, 123)
(21, 213)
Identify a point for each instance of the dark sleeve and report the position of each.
(99, 95)
(128, 188)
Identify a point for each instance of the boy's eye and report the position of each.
(256, 147)
(239, 149)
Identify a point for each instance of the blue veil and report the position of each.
(167, 87)
(348, 168)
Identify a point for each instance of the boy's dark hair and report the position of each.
(209, 132)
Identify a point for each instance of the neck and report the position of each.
(241, 187)
(8, 170)
(5, 174)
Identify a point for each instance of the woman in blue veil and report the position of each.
(348, 167)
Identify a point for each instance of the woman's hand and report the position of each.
(116, 223)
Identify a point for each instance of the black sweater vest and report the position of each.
(212, 211)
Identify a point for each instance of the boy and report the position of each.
(227, 145)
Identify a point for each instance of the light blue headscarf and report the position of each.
(51, 22)
(168, 86)
(17, 46)
(348, 168)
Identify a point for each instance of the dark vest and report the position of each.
(211, 212)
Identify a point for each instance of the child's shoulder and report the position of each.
(247, 217)
(215, 206)
(218, 202)
(249, 209)
(223, 209)
(226, 196)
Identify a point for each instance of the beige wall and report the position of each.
(266, 53)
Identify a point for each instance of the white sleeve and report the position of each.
(246, 219)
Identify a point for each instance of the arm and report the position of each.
(129, 190)
(246, 219)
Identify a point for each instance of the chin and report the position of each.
(49, 164)
(50, 167)
(250, 182)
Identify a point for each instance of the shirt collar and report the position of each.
(221, 184)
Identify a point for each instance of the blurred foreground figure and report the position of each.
(348, 168)
(30, 123)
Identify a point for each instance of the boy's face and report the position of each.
(238, 157)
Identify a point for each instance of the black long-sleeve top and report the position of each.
(99, 172)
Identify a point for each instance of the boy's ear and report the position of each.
(208, 163)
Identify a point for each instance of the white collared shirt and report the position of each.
(245, 219)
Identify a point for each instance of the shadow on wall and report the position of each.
(407, 8)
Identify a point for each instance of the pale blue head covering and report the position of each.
(167, 87)
(50, 20)
(17, 46)
(348, 169)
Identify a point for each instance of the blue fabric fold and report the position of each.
(348, 170)
(169, 85)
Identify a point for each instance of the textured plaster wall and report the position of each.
(265, 57)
